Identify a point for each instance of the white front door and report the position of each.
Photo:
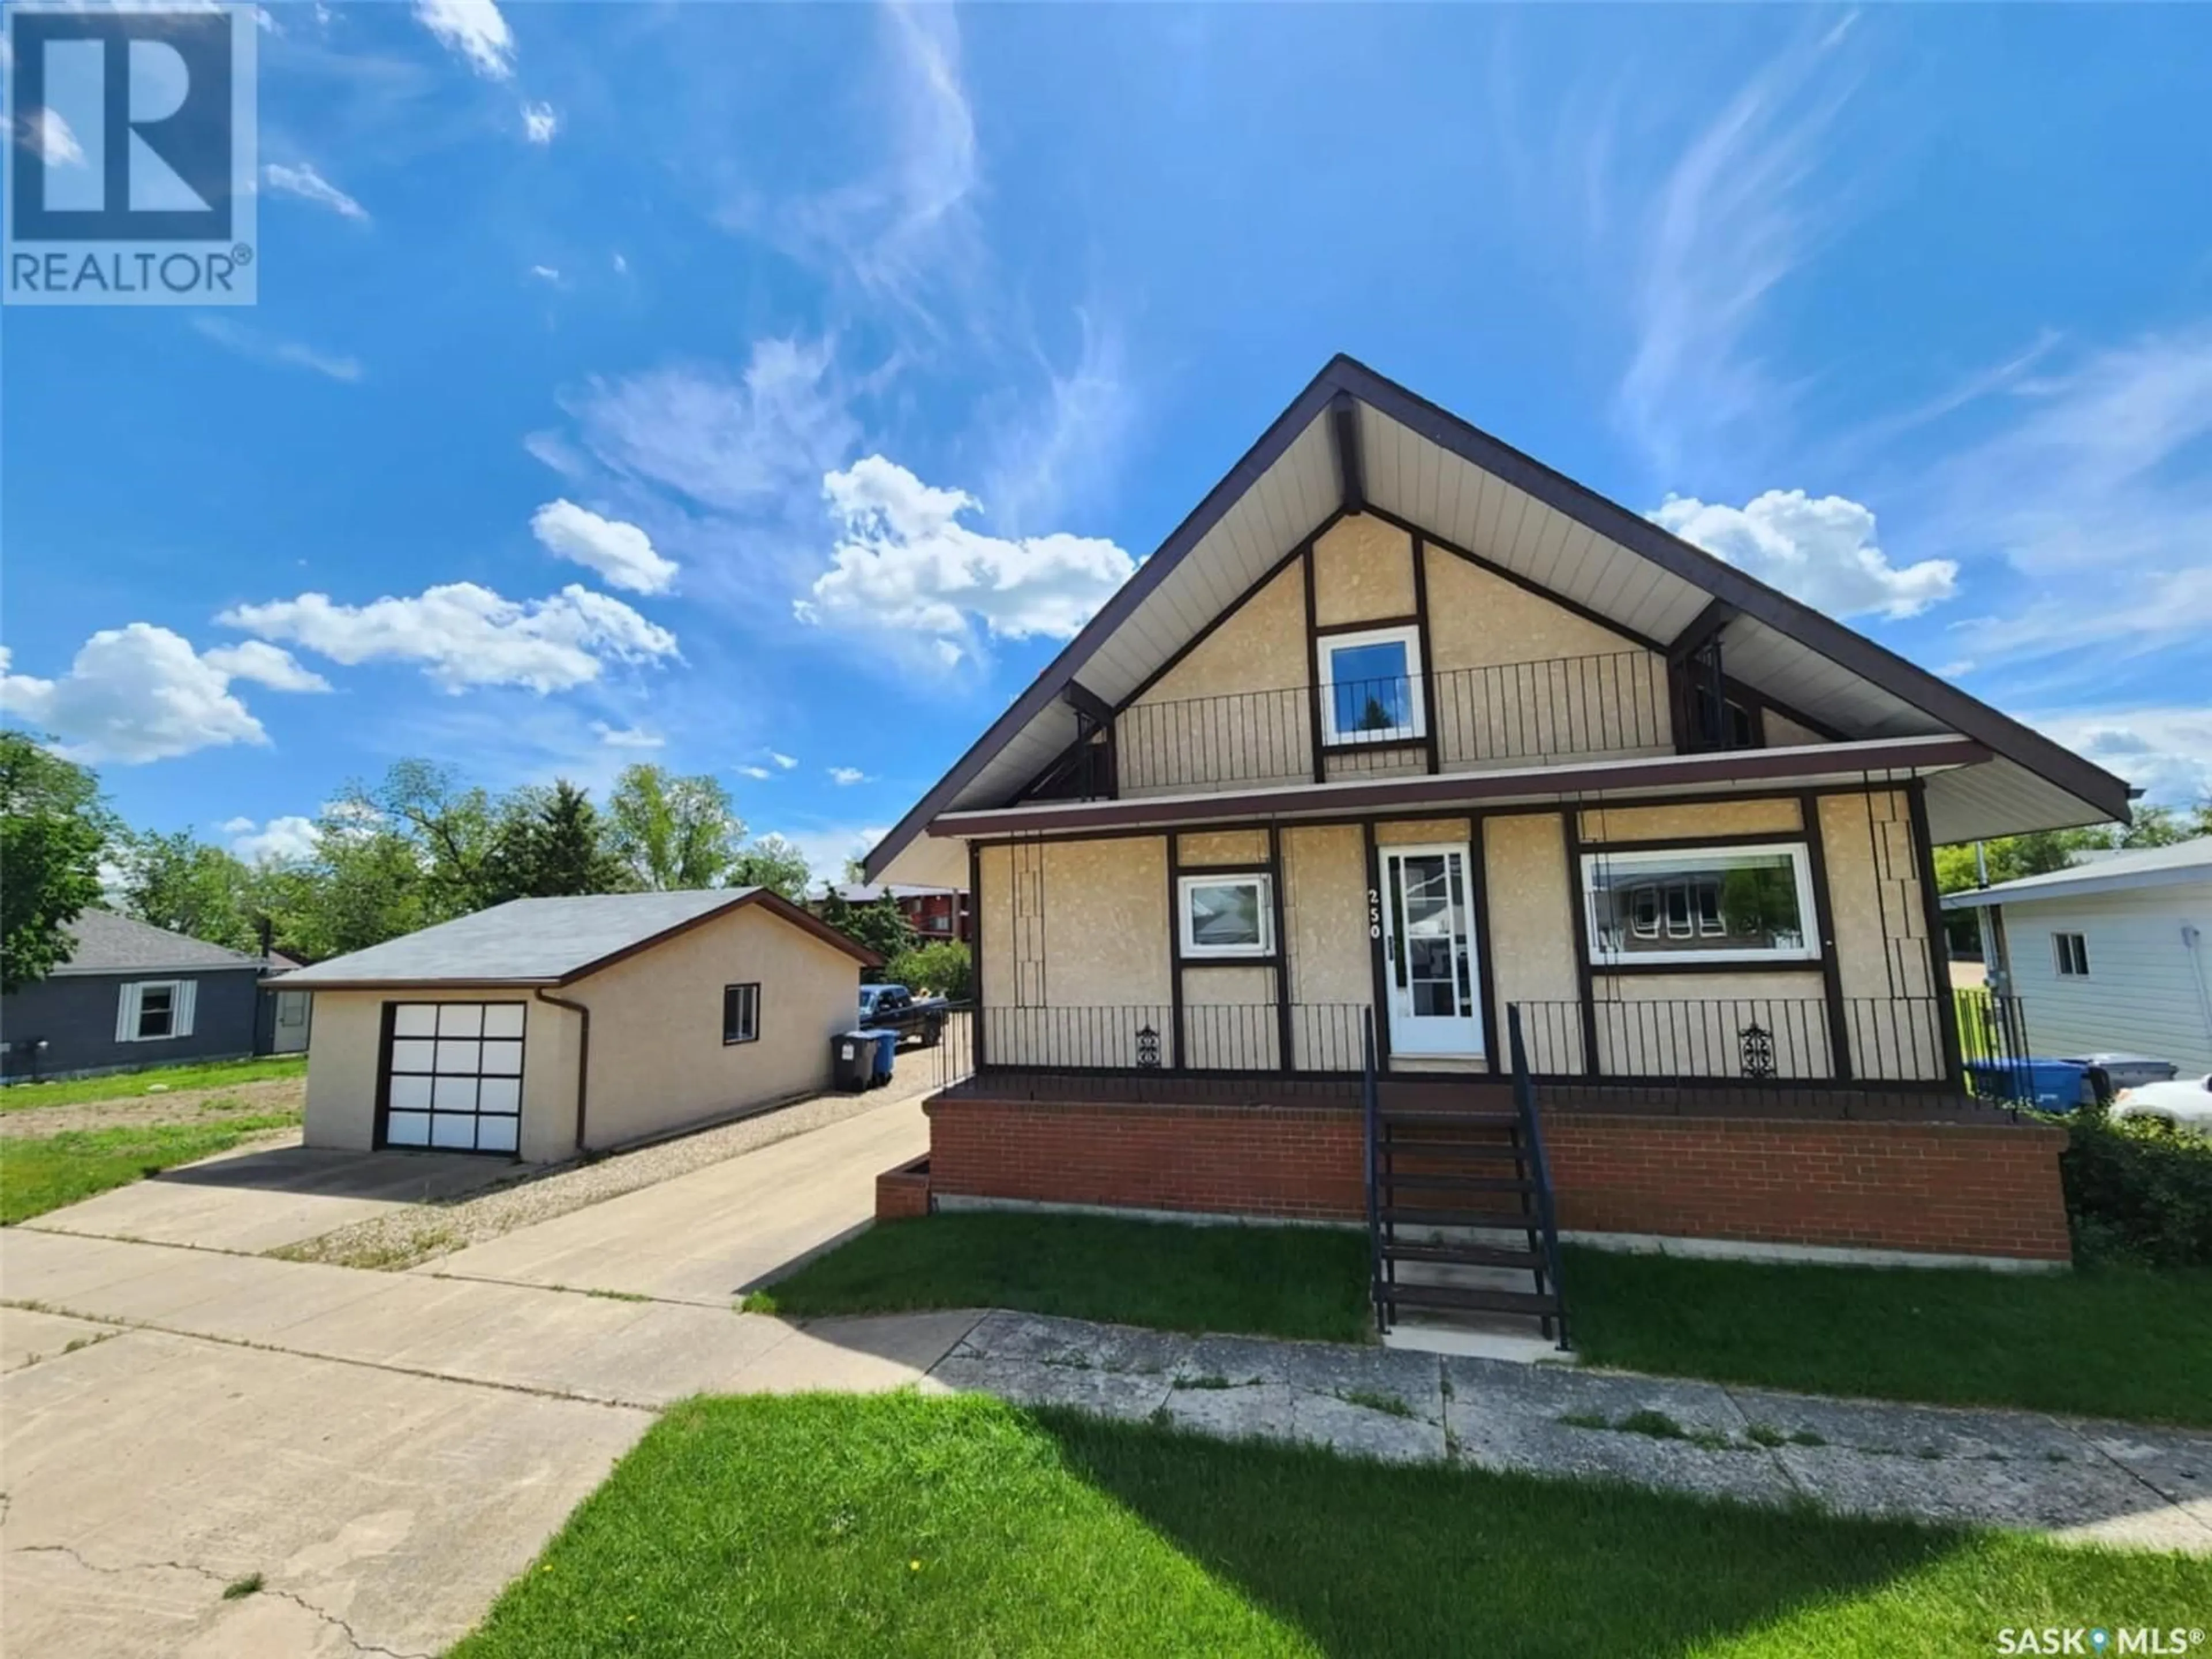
(1428, 945)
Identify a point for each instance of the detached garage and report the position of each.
(545, 1027)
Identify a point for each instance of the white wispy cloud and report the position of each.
(264, 665)
(2164, 751)
(476, 30)
(465, 635)
(1820, 549)
(309, 185)
(628, 737)
(903, 562)
(546, 273)
(621, 553)
(260, 347)
(287, 840)
(755, 772)
(845, 776)
(133, 693)
(786, 761)
(47, 135)
(540, 121)
(1059, 452)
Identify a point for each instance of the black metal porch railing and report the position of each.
(1231, 1038)
(1739, 1039)
(1601, 704)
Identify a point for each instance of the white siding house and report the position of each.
(2111, 956)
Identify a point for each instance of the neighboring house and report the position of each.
(545, 1027)
(933, 913)
(2113, 955)
(285, 1015)
(1400, 726)
(131, 994)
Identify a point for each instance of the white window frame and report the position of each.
(1801, 864)
(1328, 645)
(1263, 889)
(2065, 950)
(750, 1026)
(184, 999)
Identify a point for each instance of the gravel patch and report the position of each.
(422, 1232)
(260, 1099)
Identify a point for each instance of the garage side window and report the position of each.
(151, 1010)
(741, 1013)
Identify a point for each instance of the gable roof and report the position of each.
(108, 943)
(1353, 436)
(552, 941)
(2111, 872)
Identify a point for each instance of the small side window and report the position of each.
(1227, 915)
(2070, 954)
(741, 1013)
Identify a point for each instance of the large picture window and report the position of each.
(1371, 686)
(1700, 904)
(1227, 916)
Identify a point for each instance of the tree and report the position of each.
(181, 883)
(942, 966)
(774, 863)
(549, 843)
(674, 832)
(368, 882)
(53, 828)
(880, 924)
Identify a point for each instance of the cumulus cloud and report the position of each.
(281, 841)
(264, 665)
(132, 695)
(2167, 752)
(464, 634)
(539, 123)
(1821, 551)
(628, 737)
(904, 560)
(473, 28)
(620, 552)
(309, 185)
(843, 776)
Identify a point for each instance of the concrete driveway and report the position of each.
(257, 1201)
(386, 1450)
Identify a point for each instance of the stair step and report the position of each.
(1394, 1214)
(1465, 1255)
(1455, 1183)
(1453, 1296)
(1410, 1120)
(1443, 1148)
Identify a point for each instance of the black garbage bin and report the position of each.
(851, 1060)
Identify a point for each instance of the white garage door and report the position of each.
(452, 1075)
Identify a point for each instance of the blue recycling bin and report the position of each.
(2051, 1085)
(886, 1044)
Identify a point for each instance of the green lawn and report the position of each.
(42, 1173)
(129, 1086)
(840, 1525)
(1307, 1282)
(2100, 1341)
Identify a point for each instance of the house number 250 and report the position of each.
(1374, 914)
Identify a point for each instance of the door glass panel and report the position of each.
(463, 1019)
(415, 1020)
(502, 1020)
(409, 1129)
(496, 1134)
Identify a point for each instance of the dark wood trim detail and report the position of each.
(1485, 967)
(1174, 952)
(1939, 947)
(1693, 844)
(1083, 700)
(1527, 585)
(1246, 869)
(1832, 976)
(980, 1057)
(1313, 668)
(1373, 747)
(1195, 964)
(1344, 431)
(1571, 833)
(1377, 904)
(1420, 547)
(1324, 630)
(379, 1133)
(1228, 610)
(1283, 1056)
(1705, 627)
(1465, 790)
(1642, 969)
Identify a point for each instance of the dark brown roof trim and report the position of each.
(1753, 597)
(1905, 754)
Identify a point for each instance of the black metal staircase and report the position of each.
(1461, 1189)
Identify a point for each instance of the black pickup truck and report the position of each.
(893, 1008)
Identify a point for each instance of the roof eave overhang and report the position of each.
(1656, 778)
(1974, 898)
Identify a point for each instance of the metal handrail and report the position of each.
(1371, 1107)
(1524, 1102)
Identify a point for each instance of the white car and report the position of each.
(2185, 1102)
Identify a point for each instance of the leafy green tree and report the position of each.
(183, 883)
(674, 832)
(774, 863)
(880, 924)
(368, 882)
(549, 843)
(53, 828)
(942, 967)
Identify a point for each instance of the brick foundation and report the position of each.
(1948, 1188)
(903, 1192)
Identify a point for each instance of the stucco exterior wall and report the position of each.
(1719, 818)
(1229, 1018)
(1363, 572)
(1414, 832)
(1532, 935)
(1222, 847)
(346, 1030)
(1172, 738)
(658, 1059)
(1881, 942)
(1325, 924)
(1106, 922)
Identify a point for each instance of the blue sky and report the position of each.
(770, 391)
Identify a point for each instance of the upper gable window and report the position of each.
(1371, 686)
